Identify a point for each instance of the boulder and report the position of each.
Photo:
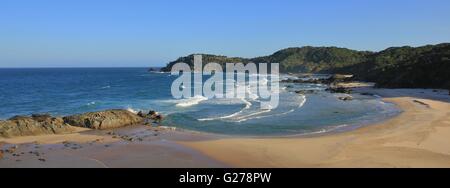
(104, 119)
(157, 118)
(346, 98)
(34, 125)
(306, 91)
(339, 90)
(151, 116)
(333, 79)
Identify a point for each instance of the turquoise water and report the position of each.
(78, 90)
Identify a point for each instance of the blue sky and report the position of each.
(112, 33)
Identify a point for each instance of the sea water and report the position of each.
(66, 91)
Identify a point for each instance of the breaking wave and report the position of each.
(191, 101)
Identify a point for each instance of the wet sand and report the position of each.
(135, 147)
(418, 137)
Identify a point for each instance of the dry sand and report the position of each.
(419, 137)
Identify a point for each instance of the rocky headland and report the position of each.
(43, 124)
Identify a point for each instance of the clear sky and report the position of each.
(111, 33)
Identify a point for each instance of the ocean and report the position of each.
(66, 91)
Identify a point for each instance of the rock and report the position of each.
(158, 118)
(151, 113)
(366, 94)
(43, 160)
(41, 117)
(34, 125)
(104, 119)
(346, 98)
(140, 114)
(327, 81)
(151, 116)
(1, 154)
(339, 90)
(304, 92)
(12, 149)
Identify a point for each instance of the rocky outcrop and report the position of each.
(306, 91)
(104, 119)
(339, 90)
(151, 116)
(346, 98)
(333, 79)
(34, 125)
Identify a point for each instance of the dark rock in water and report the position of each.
(339, 90)
(367, 94)
(304, 92)
(151, 116)
(346, 98)
(337, 78)
(151, 113)
(104, 119)
(140, 114)
(154, 69)
(34, 125)
(158, 118)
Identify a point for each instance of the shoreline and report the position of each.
(418, 137)
(420, 142)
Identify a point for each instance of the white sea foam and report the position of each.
(251, 116)
(247, 106)
(91, 103)
(191, 101)
(244, 114)
(301, 103)
(129, 109)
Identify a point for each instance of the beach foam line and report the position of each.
(279, 114)
(247, 106)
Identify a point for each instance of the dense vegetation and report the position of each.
(407, 67)
(313, 59)
(206, 58)
(424, 67)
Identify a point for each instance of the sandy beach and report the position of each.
(418, 137)
(151, 148)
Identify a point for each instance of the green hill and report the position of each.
(405, 67)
